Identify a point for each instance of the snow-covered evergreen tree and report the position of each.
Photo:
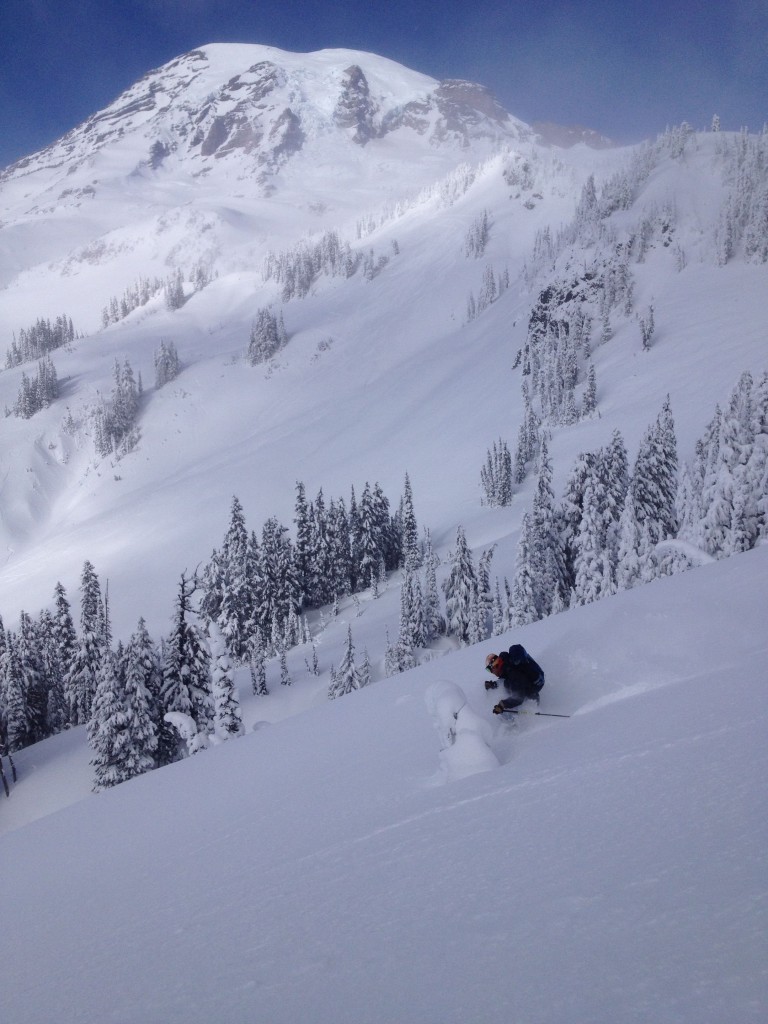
(410, 530)
(285, 676)
(108, 733)
(302, 546)
(81, 681)
(186, 686)
(647, 328)
(141, 690)
(236, 587)
(347, 677)
(227, 716)
(496, 475)
(524, 605)
(459, 588)
(16, 723)
(174, 290)
(257, 664)
(411, 631)
(268, 336)
(590, 394)
(371, 539)
(633, 548)
(432, 618)
(592, 573)
(654, 478)
(167, 365)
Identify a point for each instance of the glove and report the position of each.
(499, 709)
(491, 684)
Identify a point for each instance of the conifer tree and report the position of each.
(186, 686)
(365, 669)
(302, 546)
(371, 541)
(634, 548)
(571, 511)
(411, 632)
(108, 733)
(279, 585)
(590, 394)
(167, 364)
(391, 541)
(236, 597)
(524, 602)
(64, 635)
(81, 681)
(546, 552)
(484, 595)
(734, 490)
(459, 587)
(340, 548)
(257, 664)
(347, 678)
(498, 618)
(285, 677)
(141, 701)
(227, 717)
(57, 712)
(268, 336)
(18, 728)
(410, 530)
(592, 571)
(432, 618)
(654, 478)
(496, 475)
(34, 683)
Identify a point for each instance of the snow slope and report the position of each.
(612, 867)
(404, 381)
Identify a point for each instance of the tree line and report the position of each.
(147, 704)
(616, 528)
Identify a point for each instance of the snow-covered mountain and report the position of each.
(183, 173)
(445, 276)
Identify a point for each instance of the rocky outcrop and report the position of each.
(355, 108)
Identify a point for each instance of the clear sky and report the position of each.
(624, 67)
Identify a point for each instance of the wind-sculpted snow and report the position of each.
(465, 736)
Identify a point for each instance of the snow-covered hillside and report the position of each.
(446, 282)
(611, 868)
(381, 376)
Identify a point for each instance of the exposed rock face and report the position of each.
(242, 126)
(457, 111)
(285, 138)
(355, 108)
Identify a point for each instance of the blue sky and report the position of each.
(623, 67)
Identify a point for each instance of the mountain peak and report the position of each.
(259, 106)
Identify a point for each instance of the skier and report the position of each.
(522, 677)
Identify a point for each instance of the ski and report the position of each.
(522, 711)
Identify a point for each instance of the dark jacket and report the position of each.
(521, 676)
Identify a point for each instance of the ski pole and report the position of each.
(522, 711)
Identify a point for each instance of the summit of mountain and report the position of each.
(252, 109)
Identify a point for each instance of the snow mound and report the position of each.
(465, 737)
